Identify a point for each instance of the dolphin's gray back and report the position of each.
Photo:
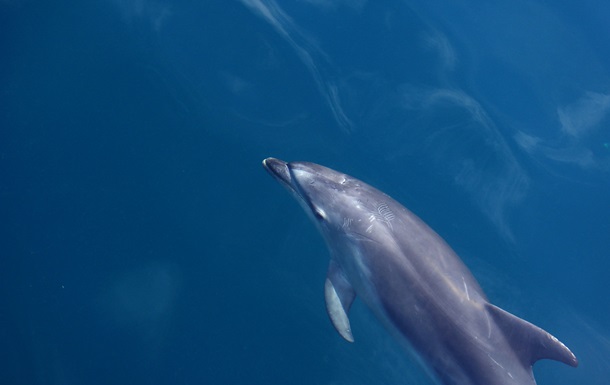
(423, 292)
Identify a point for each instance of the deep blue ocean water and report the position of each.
(142, 242)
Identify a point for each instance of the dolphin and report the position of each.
(413, 282)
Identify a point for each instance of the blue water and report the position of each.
(142, 242)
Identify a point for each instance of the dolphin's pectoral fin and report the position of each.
(529, 341)
(339, 295)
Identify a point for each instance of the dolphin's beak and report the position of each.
(279, 170)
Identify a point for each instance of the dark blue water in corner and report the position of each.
(142, 242)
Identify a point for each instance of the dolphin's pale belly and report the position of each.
(413, 282)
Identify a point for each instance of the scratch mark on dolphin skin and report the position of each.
(466, 288)
(503, 368)
(386, 214)
(488, 325)
(347, 223)
(494, 361)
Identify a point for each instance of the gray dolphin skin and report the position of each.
(413, 282)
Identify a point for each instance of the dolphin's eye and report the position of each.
(319, 213)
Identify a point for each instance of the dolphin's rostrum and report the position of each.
(413, 282)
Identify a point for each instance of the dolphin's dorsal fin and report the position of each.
(339, 295)
(529, 341)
